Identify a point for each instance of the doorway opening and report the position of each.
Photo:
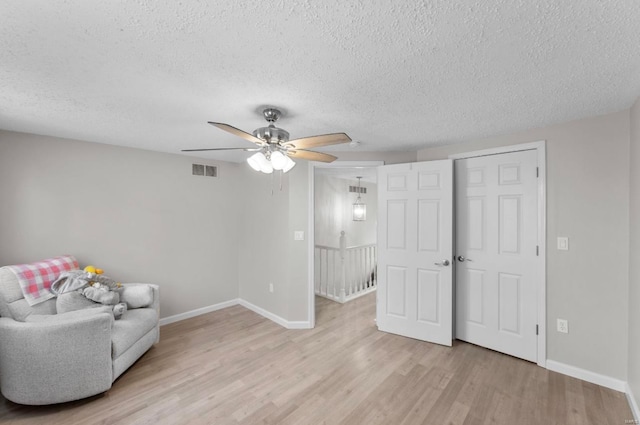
(343, 257)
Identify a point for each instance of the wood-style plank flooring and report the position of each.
(234, 367)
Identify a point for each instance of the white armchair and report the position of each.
(48, 358)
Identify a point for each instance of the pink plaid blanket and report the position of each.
(35, 278)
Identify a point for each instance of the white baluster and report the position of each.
(333, 273)
(352, 274)
(371, 265)
(366, 268)
(316, 261)
(363, 278)
(343, 271)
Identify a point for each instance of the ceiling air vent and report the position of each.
(356, 189)
(204, 170)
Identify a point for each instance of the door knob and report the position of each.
(442, 263)
(462, 259)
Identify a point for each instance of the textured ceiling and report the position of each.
(394, 75)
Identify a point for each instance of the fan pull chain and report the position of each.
(271, 184)
(281, 173)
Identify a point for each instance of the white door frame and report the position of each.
(540, 147)
(311, 303)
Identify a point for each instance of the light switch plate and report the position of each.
(563, 243)
(298, 235)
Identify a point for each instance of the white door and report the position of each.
(496, 252)
(415, 256)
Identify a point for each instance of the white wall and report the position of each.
(634, 256)
(263, 240)
(139, 215)
(267, 251)
(588, 201)
(334, 212)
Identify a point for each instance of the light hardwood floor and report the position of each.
(235, 367)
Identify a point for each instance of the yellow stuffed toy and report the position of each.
(97, 271)
(92, 269)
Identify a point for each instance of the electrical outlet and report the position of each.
(271, 287)
(563, 326)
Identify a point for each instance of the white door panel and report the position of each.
(496, 198)
(415, 228)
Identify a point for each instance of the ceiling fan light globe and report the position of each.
(254, 162)
(289, 164)
(264, 163)
(267, 168)
(278, 160)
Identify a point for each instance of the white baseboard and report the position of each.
(274, 317)
(237, 301)
(300, 324)
(347, 298)
(633, 404)
(586, 375)
(198, 312)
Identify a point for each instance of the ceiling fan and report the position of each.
(274, 150)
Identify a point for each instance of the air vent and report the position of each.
(197, 169)
(210, 171)
(204, 170)
(356, 189)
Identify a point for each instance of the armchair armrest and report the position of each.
(156, 300)
(156, 294)
(64, 359)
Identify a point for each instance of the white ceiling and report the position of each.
(394, 75)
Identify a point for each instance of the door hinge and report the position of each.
(537, 250)
(537, 172)
(536, 329)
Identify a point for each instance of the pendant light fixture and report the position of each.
(359, 208)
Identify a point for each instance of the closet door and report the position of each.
(496, 252)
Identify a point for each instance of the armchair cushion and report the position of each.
(71, 315)
(20, 309)
(132, 326)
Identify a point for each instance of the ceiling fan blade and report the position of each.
(221, 149)
(312, 156)
(236, 131)
(317, 141)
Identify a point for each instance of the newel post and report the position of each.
(343, 267)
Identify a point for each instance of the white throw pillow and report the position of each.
(136, 296)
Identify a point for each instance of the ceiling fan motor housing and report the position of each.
(272, 134)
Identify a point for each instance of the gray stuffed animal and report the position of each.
(96, 287)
